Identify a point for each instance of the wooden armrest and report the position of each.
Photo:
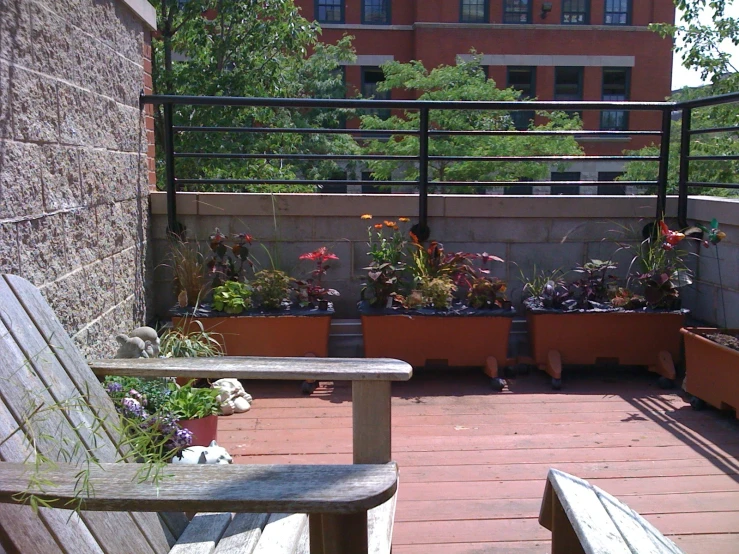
(243, 367)
(329, 489)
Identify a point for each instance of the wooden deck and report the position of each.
(473, 463)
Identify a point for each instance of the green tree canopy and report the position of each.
(464, 81)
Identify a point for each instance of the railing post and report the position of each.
(421, 229)
(173, 226)
(682, 191)
(664, 161)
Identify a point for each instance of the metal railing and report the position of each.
(426, 133)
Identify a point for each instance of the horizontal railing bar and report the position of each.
(237, 156)
(712, 130)
(304, 131)
(717, 158)
(221, 181)
(542, 158)
(708, 101)
(539, 183)
(715, 185)
(575, 133)
(402, 104)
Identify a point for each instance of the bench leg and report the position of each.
(371, 421)
(564, 538)
(341, 534)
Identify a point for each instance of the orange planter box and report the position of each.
(423, 339)
(272, 336)
(585, 338)
(712, 370)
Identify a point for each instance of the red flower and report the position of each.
(319, 255)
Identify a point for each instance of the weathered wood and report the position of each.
(243, 534)
(203, 534)
(246, 367)
(345, 534)
(372, 422)
(216, 488)
(380, 521)
(282, 534)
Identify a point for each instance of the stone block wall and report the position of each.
(74, 179)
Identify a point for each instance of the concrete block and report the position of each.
(102, 282)
(70, 297)
(43, 249)
(15, 32)
(546, 257)
(85, 118)
(10, 261)
(20, 180)
(95, 172)
(129, 35)
(55, 50)
(719, 266)
(120, 225)
(187, 203)
(127, 270)
(81, 237)
(6, 130)
(60, 178)
(33, 102)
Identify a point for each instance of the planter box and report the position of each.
(623, 337)
(452, 339)
(295, 333)
(712, 370)
(204, 430)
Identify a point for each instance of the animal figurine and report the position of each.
(233, 398)
(212, 454)
(150, 336)
(143, 342)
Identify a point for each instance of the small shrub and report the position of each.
(232, 297)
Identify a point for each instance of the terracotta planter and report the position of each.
(712, 370)
(586, 338)
(204, 430)
(273, 336)
(480, 340)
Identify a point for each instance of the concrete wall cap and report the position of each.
(144, 11)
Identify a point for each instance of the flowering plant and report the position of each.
(311, 292)
(387, 253)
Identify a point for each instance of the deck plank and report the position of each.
(473, 463)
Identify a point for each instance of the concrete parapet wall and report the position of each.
(549, 232)
(73, 172)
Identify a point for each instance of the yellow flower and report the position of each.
(390, 224)
(404, 219)
(366, 216)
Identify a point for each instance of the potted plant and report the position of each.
(269, 314)
(196, 409)
(592, 319)
(425, 306)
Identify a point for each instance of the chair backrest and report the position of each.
(41, 368)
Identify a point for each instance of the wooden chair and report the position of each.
(585, 519)
(41, 368)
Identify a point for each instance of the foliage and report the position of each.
(535, 285)
(386, 254)
(188, 266)
(438, 292)
(596, 286)
(272, 288)
(487, 293)
(189, 339)
(311, 291)
(254, 49)
(228, 262)
(189, 402)
(464, 81)
(232, 297)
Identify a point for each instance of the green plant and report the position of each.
(383, 284)
(188, 265)
(183, 341)
(232, 297)
(188, 402)
(272, 288)
(596, 286)
(228, 262)
(486, 293)
(438, 291)
(535, 285)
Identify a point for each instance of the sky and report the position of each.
(682, 77)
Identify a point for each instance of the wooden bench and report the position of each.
(41, 369)
(585, 519)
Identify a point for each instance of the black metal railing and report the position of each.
(426, 133)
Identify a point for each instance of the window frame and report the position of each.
(388, 13)
(381, 113)
(528, 12)
(485, 16)
(581, 78)
(342, 14)
(531, 94)
(606, 13)
(585, 14)
(626, 95)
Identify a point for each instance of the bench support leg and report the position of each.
(341, 534)
(371, 421)
(564, 538)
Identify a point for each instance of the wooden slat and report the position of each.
(243, 534)
(283, 534)
(203, 534)
(380, 521)
(242, 367)
(213, 488)
(371, 430)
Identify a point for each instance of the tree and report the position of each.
(701, 46)
(249, 48)
(464, 81)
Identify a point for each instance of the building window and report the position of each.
(376, 12)
(617, 12)
(556, 190)
(575, 12)
(329, 11)
(568, 83)
(522, 79)
(370, 77)
(608, 177)
(516, 11)
(520, 190)
(473, 11)
(615, 88)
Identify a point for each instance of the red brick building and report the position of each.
(558, 50)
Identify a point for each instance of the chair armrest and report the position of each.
(243, 367)
(324, 489)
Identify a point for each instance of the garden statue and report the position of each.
(233, 398)
(143, 342)
(212, 454)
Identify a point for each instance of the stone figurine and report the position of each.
(233, 398)
(212, 454)
(143, 342)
